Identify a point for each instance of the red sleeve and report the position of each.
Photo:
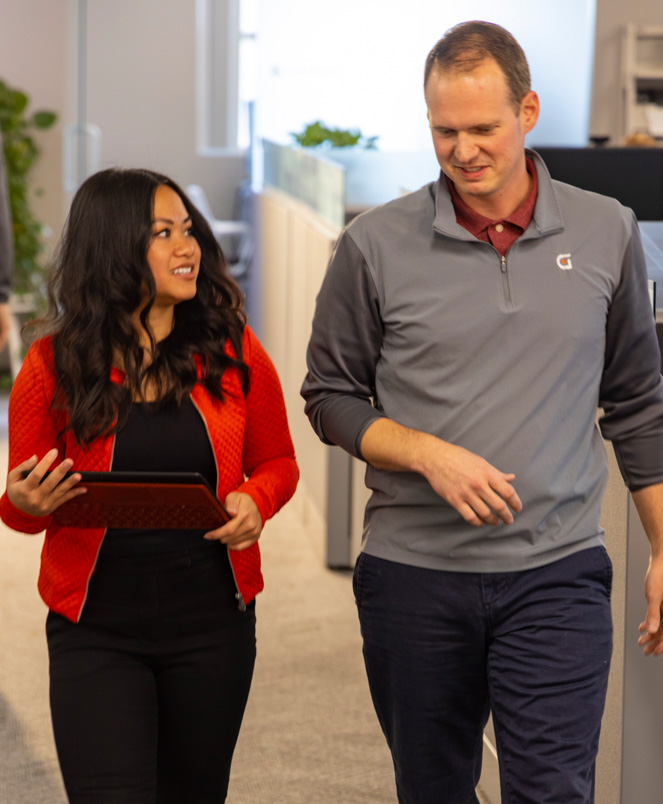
(33, 429)
(269, 457)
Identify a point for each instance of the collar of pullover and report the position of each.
(545, 220)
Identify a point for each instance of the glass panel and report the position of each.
(316, 181)
(247, 89)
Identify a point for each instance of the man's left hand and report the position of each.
(651, 629)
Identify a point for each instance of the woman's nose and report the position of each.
(184, 244)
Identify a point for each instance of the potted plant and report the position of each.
(21, 152)
(368, 178)
(317, 134)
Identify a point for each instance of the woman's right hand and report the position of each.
(35, 498)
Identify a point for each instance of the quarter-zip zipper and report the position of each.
(239, 597)
(504, 275)
(506, 286)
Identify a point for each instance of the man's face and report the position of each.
(479, 138)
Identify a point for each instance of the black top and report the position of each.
(169, 439)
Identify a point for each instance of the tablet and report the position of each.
(162, 500)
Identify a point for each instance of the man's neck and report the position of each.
(498, 208)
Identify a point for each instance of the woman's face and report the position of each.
(174, 253)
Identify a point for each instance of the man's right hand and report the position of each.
(482, 494)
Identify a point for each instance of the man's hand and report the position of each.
(649, 502)
(244, 528)
(482, 494)
(651, 629)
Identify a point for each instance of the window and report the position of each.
(225, 74)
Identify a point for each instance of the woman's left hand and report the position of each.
(245, 526)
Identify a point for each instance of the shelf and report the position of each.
(642, 76)
(647, 31)
(648, 75)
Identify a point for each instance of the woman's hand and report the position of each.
(35, 498)
(244, 528)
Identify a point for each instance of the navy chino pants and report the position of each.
(444, 649)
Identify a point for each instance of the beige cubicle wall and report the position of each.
(614, 519)
(295, 246)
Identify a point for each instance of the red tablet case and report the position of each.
(143, 500)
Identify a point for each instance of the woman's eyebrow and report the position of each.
(168, 220)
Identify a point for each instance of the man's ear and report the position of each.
(529, 111)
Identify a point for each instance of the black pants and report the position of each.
(148, 691)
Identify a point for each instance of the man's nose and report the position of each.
(466, 148)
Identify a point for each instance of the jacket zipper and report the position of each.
(239, 597)
(94, 566)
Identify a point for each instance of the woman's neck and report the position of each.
(159, 325)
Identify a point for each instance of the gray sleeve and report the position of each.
(6, 235)
(631, 392)
(344, 349)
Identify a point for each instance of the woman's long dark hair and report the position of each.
(94, 285)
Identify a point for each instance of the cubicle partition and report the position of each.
(300, 215)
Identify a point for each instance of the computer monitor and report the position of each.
(633, 176)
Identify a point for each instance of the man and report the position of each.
(6, 253)
(463, 337)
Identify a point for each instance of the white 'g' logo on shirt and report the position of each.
(564, 262)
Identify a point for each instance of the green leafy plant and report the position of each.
(318, 134)
(21, 152)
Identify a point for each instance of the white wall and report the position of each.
(359, 63)
(141, 56)
(141, 93)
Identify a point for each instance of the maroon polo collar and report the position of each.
(501, 233)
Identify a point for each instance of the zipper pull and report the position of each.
(503, 259)
(241, 605)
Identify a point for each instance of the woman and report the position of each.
(147, 365)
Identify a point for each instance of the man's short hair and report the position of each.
(466, 45)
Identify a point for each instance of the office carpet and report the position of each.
(29, 771)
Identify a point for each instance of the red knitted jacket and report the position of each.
(249, 437)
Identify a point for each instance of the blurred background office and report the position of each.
(182, 85)
(209, 92)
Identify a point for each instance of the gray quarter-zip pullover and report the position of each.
(419, 321)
